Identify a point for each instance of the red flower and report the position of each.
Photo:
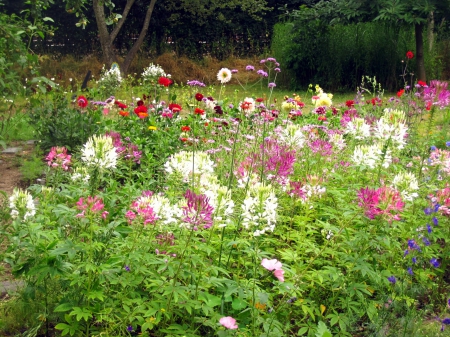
(409, 54)
(428, 107)
(259, 100)
(400, 92)
(140, 103)
(120, 105)
(350, 103)
(124, 113)
(183, 139)
(199, 111)
(165, 81)
(198, 96)
(185, 128)
(376, 101)
(141, 109)
(422, 83)
(82, 101)
(174, 107)
(322, 118)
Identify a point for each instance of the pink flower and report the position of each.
(228, 322)
(273, 264)
(279, 274)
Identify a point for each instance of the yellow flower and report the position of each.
(152, 128)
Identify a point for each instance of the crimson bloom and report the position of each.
(140, 110)
(185, 128)
(198, 97)
(165, 81)
(350, 103)
(120, 105)
(82, 101)
(174, 107)
(199, 111)
(422, 83)
(400, 92)
(409, 54)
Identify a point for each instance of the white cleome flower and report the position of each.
(189, 164)
(358, 128)
(99, 152)
(224, 75)
(407, 184)
(259, 209)
(371, 156)
(21, 204)
(152, 72)
(292, 135)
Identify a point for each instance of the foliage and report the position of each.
(222, 215)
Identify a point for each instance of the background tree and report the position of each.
(112, 16)
(399, 12)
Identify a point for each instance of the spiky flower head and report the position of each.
(22, 205)
(99, 152)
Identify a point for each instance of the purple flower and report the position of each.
(414, 260)
(435, 221)
(234, 71)
(429, 229)
(198, 210)
(127, 268)
(427, 211)
(195, 83)
(250, 68)
(447, 144)
(426, 242)
(434, 262)
(278, 70)
(410, 271)
(129, 328)
(446, 321)
(271, 59)
(392, 279)
(433, 148)
(272, 85)
(262, 73)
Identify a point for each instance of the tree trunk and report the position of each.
(137, 45)
(109, 55)
(430, 31)
(420, 62)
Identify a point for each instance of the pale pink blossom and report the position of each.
(273, 264)
(228, 322)
(279, 274)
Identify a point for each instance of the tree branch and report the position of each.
(122, 20)
(138, 43)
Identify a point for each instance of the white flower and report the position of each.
(395, 131)
(224, 75)
(371, 156)
(81, 174)
(358, 128)
(189, 164)
(21, 204)
(406, 183)
(292, 135)
(259, 209)
(110, 79)
(99, 152)
(153, 72)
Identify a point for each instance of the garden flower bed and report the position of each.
(187, 212)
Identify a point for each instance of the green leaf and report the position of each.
(322, 330)
(64, 307)
(238, 304)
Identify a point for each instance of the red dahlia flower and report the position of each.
(140, 103)
(82, 101)
(409, 54)
(198, 111)
(185, 128)
(165, 81)
(174, 107)
(120, 105)
(350, 103)
(141, 109)
(198, 97)
(422, 83)
(400, 92)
